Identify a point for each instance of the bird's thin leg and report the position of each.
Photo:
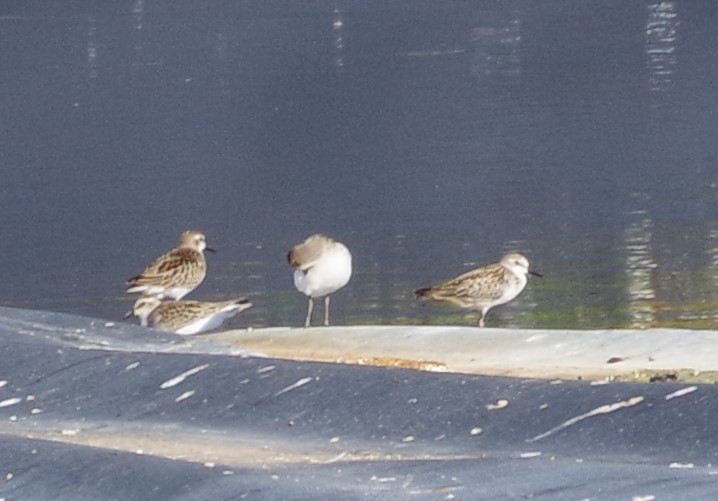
(310, 307)
(326, 311)
(481, 319)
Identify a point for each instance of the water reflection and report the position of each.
(661, 33)
(640, 267)
(138, 14)
(338, 31)
(92, 47)
(671, 273)
(495, 49)
(712, 252)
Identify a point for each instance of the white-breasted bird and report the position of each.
(321, 267)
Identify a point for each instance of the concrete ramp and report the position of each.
(564, 354)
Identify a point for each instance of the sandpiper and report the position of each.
(185, 317)
(321, 266)
(176, 273)
(483, 288)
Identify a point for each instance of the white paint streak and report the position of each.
(681, 392)
(529, 455)
(178, 379)
(681, 465)
(10, 401)
(604, 409)
(336, 458)
(498, 405)
(382, 479)
(184, 396)
(294, 386)
(3, 383)
(535, 337)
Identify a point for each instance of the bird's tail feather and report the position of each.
(422, 293)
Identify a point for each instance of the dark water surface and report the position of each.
(428, 136)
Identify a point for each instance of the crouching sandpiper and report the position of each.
(186, 317)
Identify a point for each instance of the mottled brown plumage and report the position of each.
(186, 317)
(176, 273)
(483, 288)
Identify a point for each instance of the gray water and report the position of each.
(430, 137)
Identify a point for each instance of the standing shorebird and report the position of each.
(321, 266)
(176, 273)
(185, 317)
(483, 288)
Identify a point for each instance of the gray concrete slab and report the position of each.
(505, 352)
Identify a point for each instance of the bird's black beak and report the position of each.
(535, 273)
(210, 249)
